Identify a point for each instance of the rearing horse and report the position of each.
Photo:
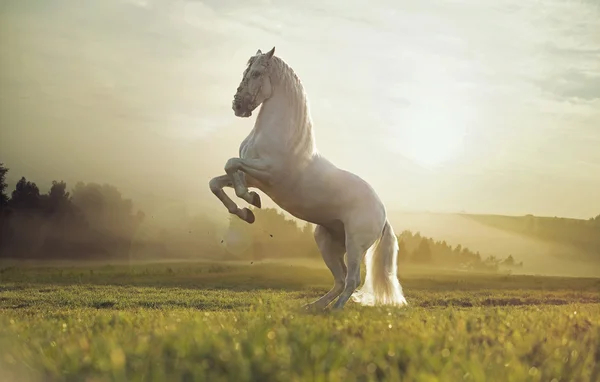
(280, 158)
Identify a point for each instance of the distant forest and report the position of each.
(94, 222)
(581, 234)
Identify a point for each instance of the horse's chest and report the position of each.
(249, 149)
(260, 147)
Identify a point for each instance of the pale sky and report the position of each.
(482, 106)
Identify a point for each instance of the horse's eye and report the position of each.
(255, 74)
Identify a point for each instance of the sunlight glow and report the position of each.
(433, 138)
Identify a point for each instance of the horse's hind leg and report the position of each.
(357, 244)
(216, 186)
(332, 249)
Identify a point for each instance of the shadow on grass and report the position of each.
(194, 276)
(304, 280)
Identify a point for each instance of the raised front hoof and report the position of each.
(255, 199)
(249, 216)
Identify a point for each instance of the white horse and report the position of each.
(280, 158)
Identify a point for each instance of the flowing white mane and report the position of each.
(286, 84)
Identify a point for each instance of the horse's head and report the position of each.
(255, 87)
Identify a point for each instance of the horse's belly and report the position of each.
(304, 206)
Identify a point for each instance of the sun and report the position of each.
(432, 140)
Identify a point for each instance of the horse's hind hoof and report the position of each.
(312, 308)
(249, 218)
(255, 199)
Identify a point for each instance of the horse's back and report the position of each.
(349, 187)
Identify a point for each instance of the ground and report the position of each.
(232, 322)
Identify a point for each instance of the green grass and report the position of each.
(225, 322)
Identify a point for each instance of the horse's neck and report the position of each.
(285, 117)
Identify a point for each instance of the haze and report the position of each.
(481, 106)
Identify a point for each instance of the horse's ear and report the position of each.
(270, 53)
(258, 52)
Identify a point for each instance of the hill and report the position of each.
(489, 236)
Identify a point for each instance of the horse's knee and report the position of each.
(231, 165)
(215, 185)
(339, 286)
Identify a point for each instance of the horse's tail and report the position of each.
(381, 285)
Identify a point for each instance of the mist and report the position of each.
(138, 94)
(435, 107)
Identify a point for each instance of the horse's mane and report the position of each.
(302, 140)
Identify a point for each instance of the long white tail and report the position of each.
(381, 285)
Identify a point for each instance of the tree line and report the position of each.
(418, 249)
(95, 221)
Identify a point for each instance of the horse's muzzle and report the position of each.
(240, 108)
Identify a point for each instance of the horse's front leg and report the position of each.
(216, 186)
(256, 168)
(241, 189)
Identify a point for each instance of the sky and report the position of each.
(477, 106)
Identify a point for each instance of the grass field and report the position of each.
(224, 322)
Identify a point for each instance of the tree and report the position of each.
(4, 227)
(105, 208)
(58, 190)
(402, 251)
(3, 185)
(423, 252)
(57, 201)
(26, 196)
(509, 261)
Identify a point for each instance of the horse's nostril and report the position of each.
(237, 106)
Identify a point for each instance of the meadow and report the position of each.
(196, 321)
